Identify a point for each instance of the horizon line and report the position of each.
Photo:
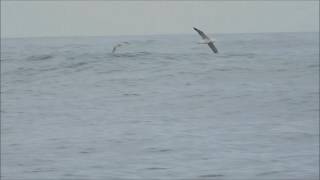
(158, 34)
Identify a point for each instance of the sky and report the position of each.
(109, 18)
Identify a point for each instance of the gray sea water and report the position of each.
(163, 107)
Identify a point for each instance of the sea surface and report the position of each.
(161, 107)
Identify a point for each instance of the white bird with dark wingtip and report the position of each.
(118, 45)
(207, 40)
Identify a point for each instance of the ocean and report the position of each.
(161, 107)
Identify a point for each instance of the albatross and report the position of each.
(118, 45)
(207, 40)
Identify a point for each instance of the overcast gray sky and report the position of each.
(105, 18)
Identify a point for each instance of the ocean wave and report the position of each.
(76, 65)
(40, 57)
(233, 55)
(130, 54)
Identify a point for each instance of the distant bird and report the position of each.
(118, 45)
(207, 40)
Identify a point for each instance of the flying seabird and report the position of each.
(207, 40)
(118, 45)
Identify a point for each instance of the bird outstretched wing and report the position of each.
(213, 47)
(202, 34)
(118, 45)
(114, 49)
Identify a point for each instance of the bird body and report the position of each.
(205, 41)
